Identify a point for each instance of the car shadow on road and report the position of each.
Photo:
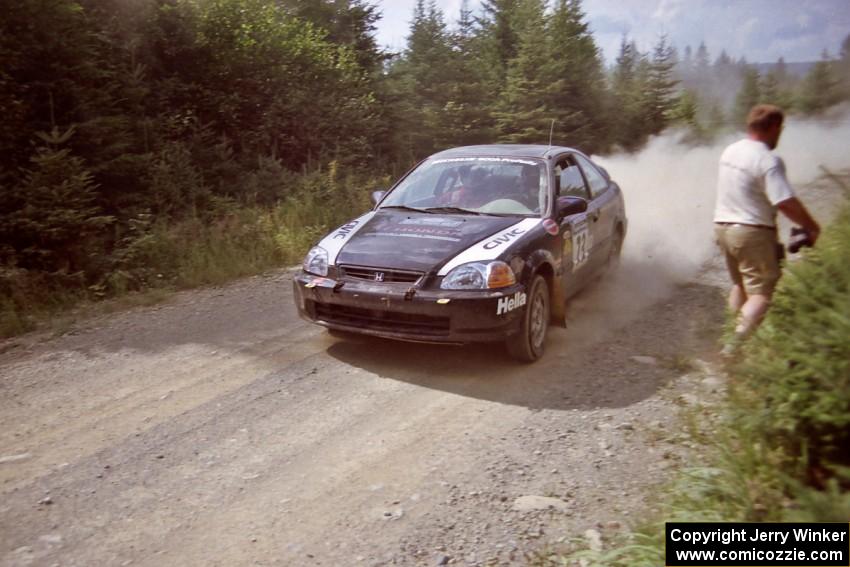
(588, 365)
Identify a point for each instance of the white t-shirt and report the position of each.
(750, 184)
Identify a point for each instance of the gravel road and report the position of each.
(219, 429)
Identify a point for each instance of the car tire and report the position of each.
(529, 343)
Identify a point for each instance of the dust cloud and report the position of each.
(808, 145)
(669, 189)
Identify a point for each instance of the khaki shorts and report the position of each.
(751, 256)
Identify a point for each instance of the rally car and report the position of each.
(479, 243)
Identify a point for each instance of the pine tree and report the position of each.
(57, 68)
(747, 97)
(499, 33)
(686, 65)
(465, 118)
(842, 67)
(684, 113)
(777, 86)
(771, 91)
(774, 87)
(624, 71)
(522, 114)
(820, 88)
(629, 119)
(701, 70)
(725, 75)
(52, 219)
(723, 60)
(422, 80)
(702, 57)
(429, 53)
(661, 86)
(575, 89)
(347, 22)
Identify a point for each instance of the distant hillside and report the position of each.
(797, 69)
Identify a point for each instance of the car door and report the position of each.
(601, 213)
(575, 230)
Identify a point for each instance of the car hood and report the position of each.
(417, 241)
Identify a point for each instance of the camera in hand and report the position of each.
(799, 237)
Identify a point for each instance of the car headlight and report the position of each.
(480, 275)
(316, 261)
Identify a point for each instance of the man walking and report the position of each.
(751, 187)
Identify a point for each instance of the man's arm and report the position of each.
(794, 209)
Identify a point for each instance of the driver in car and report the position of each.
(463, 194)
(529, 187)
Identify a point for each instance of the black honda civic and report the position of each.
(479, 243)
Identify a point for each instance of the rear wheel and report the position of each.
(529, 343)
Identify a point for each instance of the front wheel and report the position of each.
(529, 343)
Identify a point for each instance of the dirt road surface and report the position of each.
(219, 429)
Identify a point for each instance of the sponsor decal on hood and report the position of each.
(491, 247)
(417, 241)
(334, 241)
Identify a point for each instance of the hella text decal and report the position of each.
(509, 303)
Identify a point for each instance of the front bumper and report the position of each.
(393, 311)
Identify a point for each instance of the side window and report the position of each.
(571, 183)
(595, 179)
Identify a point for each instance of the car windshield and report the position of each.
(488, 185)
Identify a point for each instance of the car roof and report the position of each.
(508, 150)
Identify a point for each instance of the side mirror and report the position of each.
(567, 206)
(377, 196)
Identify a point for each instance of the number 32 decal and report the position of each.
(582, 242)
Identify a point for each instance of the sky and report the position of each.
(760, 30)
